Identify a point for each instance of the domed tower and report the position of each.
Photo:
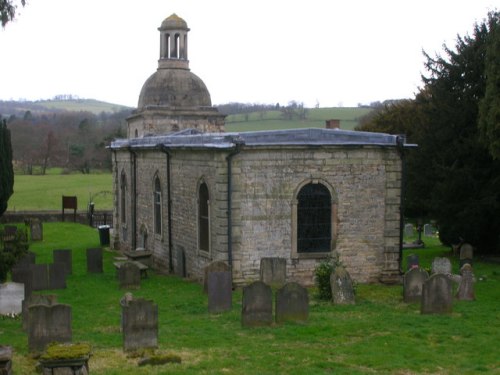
(173, 98)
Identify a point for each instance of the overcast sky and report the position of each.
(326, 52)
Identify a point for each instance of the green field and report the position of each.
(378, 335)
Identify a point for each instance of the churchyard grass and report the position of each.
(379, 334)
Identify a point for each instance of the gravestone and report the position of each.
(64, 256)
(466, 254)
(465, 291)
(24, 275)
(220, 291)
(217, 266)
(437, 295)
(48, 324)
(409, 230)
(57, 276)
(5, 360)
(94, 260)
(342, 286)
(36, 229)
(40, 276)
(413, 282)
(428, 230)
(181, 262)
(129, 276)
(139, 324)
(292, 303)
(412, 261)
(257, 306)
(26, 260)
(441, 265)
(35, 299)
(273, 271)
(11, 298)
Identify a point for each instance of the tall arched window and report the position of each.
(314, 225)
(123, 190)
(157, 205)
(203, 218)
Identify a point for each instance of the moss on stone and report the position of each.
(58, 351)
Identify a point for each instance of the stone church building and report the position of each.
(189, 193)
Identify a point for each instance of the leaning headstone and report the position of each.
(437, 295)
(35, 299)
(441, 265)
(428, 230)
(257, 306)
(11, 298)
(466, 254)
(64, 256)
(94, 260)
(24, 275)
(409, 230)
(412, 261)
(292, 303)
(217, 266)
(5, 360)
(342, 286)
(273, 271)
(129, 276)
(465, 291)
(40, 276)
(139, 324)
(36, 229)
(413, 282)
(57, 276)
(48, 324)
(220, 291)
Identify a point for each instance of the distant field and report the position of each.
(45, 192)
(316, 117)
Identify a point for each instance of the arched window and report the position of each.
(203, 218)
(123, 190)
(314, 225)
(157, 205)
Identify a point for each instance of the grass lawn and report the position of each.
(378, 335)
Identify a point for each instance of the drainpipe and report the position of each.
(237, 143)
(401, 139)
(165, 150)
(133, 157)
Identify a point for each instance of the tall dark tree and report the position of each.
(6, 169)
(8, 10)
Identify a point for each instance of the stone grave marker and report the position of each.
(217, 266)
(57, 275)
(36, 229)
(94, 260)
(64, 256)
(257, 306)
(26, 260)
(11, 298)
(413, 282)
(220, 291)
(409, 230)
(441, 265)
(428, 230)
(40, 276)
(412, 261)
(342, 286)
(437, 295)
(181, 262)
(292, 303)
(48, 324)
(139, 324)
(129, 276)
(273, 271)
(5, 360)
(24, 275)
(466, 254)
(35, 299)
(465, 291)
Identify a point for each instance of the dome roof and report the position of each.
(173, 22)
(174, 88)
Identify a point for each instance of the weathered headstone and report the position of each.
(413, 282)
(24, 275)
(36, 229)
(412, 261)
(48, 324)
(94, 260)
(465, 291)
(217, 266)
(5, 360)
(64, 256)
(36, 299)
(441, 265)
(57, 275)
(220, 291)
(129, 276)
(11, 298)
(139, 324)
(181, 262)
(466, 254)
(292, 303)
(273, 271)
(428, 230)
(409, 230)
(257, 306)
(342, 286)
(437, 295)
(40, 276)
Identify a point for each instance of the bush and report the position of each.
(322, 278)
(9, 255)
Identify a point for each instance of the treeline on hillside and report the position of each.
(453, 176)
(74, 141)
(293, 110)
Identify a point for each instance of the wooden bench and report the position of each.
(142, 268)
